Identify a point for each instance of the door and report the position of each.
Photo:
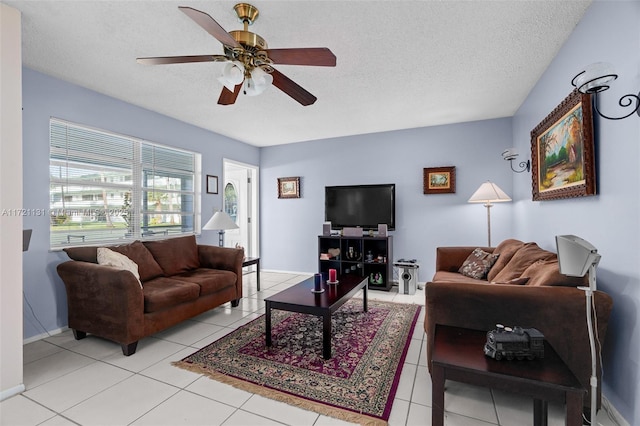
(240, 201)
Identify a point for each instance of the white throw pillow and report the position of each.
(108, 257)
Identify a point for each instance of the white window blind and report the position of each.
(107, 188)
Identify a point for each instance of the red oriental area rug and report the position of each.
(357, 384)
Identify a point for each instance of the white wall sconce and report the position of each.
(510, 155)
(595, 79)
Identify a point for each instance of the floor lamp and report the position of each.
(220, 221)
(576, 258)
(489, 193)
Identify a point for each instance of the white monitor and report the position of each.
(575, 255)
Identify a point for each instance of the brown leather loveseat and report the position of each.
(179, 279)
(521, 286)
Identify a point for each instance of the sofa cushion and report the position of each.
(455, 277)
(209, 280)
(515, 281)
(528, 254)
(478, 264)
(506, 250)
(175, 255)
(147, 265)
(162, 293)
(111, 258)
(83, 254)
(547, 273)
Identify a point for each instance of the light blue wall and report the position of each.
(609, 32)
(45, 97)
(290, 227)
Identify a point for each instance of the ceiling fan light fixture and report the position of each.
(258, 82)
(232, 75)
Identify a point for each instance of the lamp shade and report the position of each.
(232, 74)
(220, 221)
(258, 82)
(575, 255)
(489, 192)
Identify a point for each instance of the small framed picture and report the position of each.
(439, 180)
(212, 184)
(289, 187)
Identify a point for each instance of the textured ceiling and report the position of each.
(400, 64)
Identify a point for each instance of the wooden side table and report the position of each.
(248, 261)
(458, 355)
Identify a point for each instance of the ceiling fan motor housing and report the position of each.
(249, 40)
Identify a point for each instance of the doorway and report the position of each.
(240, 201)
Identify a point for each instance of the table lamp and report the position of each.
(220, 221)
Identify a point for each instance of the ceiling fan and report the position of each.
(249, 61)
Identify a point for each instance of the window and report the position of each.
(106, 187)
(231, 202)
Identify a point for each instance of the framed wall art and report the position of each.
(439, 180)
(212, 184)
(289, 187)
(562, 151)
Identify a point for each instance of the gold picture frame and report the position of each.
(439, 180)
(289, 187)
(562, 151)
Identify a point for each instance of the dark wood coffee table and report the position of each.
(300, 298)
(457, 355)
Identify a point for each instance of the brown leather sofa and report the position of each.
(524, 287)
(179, 279)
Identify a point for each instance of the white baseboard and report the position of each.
(8, 393)
(613, 413)
(44, 335)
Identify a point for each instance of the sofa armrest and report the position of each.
(225, 258)
(558, 312)
(450, 259)
(103, 300)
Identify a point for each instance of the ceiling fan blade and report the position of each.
(318, 56)
(292, 88)
(162, 60)
(227, 97)
(210, 25)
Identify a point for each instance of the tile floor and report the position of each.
(90, 382)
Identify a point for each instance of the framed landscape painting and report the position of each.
(439, 180)
(289, 187)
(562, 151)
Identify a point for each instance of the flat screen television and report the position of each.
(360, 205)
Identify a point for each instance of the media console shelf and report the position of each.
(364, 256)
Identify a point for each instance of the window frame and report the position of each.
(181, 168)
